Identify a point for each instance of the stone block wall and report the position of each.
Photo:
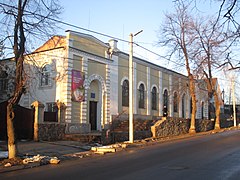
(172, 127)
(203, 125)
(227, 123)
(124, 136)
(144, 127)
(120, 128)
(178, 126)
(51, 131)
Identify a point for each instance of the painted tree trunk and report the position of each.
(194, 101)
(217, 111)
(12, 148)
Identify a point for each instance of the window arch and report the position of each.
(154, 98)
(125, 93)
(45, 76)
(141, 96)
(175, 102)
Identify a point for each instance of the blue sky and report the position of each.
(120, 18)
(117, 18)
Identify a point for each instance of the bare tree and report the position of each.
(24, 21)
(211, 48)
(228, 16)
(176, 33)
(229, 9)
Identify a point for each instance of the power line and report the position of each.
(160, 55)
(95, 32)
(68, 24)
(120, 66)
(123, 66)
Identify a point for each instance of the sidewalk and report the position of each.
(46, 148)
(62, 150)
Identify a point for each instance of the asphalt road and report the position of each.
(215, 156)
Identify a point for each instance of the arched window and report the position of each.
(165, 103)
(45, 76)
(191, 105)
(125, 93)
(183, 106)
(202, 110)
(141, 96)
(165, 98)
(3, 80)
(154, 98)
(175, 102)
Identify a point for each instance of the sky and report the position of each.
(120, 18)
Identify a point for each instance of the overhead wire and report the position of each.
(55, 56)
(99, 33)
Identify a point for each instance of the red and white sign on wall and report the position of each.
(77, 86)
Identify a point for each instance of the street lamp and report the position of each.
(131, 138)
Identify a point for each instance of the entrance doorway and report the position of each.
(93, 115)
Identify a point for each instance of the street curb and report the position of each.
(19, 167)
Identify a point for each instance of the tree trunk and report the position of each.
(217, 111)
(19, 50)
(194, 108)
(12, 148)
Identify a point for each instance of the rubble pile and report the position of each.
(41, 159)
(32, 161)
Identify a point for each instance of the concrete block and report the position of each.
(101, 153)
(54, 161)
(124, 146)
(103, 149)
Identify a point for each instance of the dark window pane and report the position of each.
(154, 98)
(141, 96)
(175, 102)
(125, 93)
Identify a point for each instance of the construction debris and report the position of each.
(8, 165)
(108, 149)
(54, 160)
(103, 149)
(41, 159)
(99, 152)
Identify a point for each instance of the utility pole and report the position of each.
(234, 103)
(131, 138)
(131, 130)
